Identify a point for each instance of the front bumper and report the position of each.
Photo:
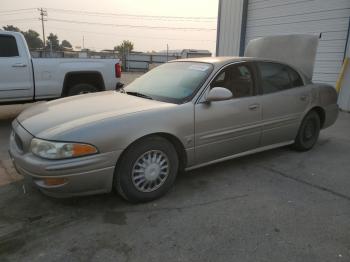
(84, 176)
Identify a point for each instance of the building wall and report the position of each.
(276, 17)
(229, 27)
(329, 18)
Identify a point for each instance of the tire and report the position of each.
(80, 89)
(308, 133)
(132, 170)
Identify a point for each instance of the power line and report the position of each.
(103, 24)
(131, 15)
(134, 26)
(16, 10)
(110, 34)
(43, 14)
(18, 20)
(150, 19)
(18, 13)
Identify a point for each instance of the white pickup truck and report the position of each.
(24, 79)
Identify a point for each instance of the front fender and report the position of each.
(117, 133)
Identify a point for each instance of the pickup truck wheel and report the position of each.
(147, 170)
(308, 132)
(80, 89)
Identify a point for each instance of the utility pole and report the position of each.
(167, 52)
(43, 14)
(83, 42)
(51, 49)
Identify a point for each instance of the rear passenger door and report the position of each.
(284, 99)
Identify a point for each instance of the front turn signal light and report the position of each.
(54, 181)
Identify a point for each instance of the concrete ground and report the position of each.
(278, 205)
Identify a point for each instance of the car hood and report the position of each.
(69, 113)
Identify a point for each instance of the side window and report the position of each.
(219, 80)
(8, 46)
(295, 78)
(236, 78)
(274, 77)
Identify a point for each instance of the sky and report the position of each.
(104, 24)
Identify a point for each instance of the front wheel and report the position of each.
(147, 170)
(308, 132)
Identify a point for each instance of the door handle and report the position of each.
(19, 65)
(254, 107)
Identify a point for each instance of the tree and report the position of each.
(52, 42)
(31, 36)
(33, 39)
(11, 28)
(66, 45)
(125, 47)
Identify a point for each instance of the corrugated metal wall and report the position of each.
(229, 27)
(331, 18)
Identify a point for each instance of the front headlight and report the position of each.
(60, 150)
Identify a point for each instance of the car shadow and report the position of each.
(27, 213)
(186, 184)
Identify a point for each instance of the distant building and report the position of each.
(133, 61)
(140, 61)
(186, 53)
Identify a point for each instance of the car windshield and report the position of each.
(175, 82)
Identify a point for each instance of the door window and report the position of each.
(295, 78)
(236, 78)
(274, 77)
(8, 46)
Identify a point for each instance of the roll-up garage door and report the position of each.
(329, 18)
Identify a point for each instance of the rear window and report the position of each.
(8, 46)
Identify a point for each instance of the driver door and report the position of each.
(225, 128)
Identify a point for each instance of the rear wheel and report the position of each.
(308, 132)
(82, 88)
(147, 170)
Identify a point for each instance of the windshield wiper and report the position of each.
(120, 87)
(139, 95)
(121, 90)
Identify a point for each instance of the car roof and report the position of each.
(220, 61)
(223, 60)
(4, 32)
(216, 60)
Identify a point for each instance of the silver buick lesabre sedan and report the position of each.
(179, 116)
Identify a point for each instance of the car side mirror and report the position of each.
(218, 94)
(119, 86)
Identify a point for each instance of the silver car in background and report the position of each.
(179, 116)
